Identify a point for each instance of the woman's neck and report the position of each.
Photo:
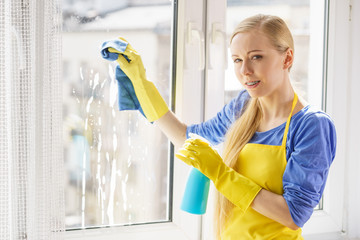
(277, 105)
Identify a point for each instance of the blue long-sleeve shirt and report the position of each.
(310, 150)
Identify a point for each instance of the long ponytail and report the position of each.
(239, 134)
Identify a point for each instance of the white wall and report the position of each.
(352, 180)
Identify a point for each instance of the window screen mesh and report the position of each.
(31, 163)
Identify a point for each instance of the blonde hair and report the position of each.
(242, 130)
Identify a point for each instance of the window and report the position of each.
(108, 175)
(120, 172)
(117, 163)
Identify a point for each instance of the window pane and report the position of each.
(117, 163)
(305, 20)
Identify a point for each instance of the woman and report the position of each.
(279, 142)
(278, 149)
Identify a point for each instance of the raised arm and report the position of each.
(173, 128)
(136, 92)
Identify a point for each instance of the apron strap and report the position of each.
(288, 121)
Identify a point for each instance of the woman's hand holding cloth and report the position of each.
(152, 104)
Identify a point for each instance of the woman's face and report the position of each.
(260, 68)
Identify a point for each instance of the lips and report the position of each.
(252, 84)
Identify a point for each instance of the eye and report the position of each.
(256, 57)
(237, 60)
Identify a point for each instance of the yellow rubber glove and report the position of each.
(152, 103)
(238, 189)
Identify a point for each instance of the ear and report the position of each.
(289, 58)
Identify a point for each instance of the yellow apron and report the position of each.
(265, 165)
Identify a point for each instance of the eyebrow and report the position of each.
(255, 50)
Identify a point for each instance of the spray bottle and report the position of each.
(196, 193)
(197, 189)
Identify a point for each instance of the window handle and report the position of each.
(193, 34)
(218, 34)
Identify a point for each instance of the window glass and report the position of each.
(117, 163)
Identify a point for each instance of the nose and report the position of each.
(246, 68)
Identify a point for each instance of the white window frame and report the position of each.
(338, 218)
(182, 225)
(329, 218)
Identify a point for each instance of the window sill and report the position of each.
(148, 231)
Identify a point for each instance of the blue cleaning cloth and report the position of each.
(115, 44)
(127, 96)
